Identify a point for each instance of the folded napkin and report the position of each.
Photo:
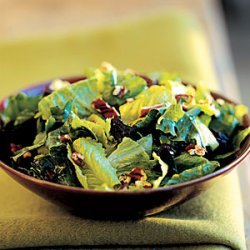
(169, 40)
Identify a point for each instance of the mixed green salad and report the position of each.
(120, 130)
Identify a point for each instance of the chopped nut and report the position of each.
(107, 66)
(191, 151)
(199, 150)
(120, 91)
(147, 184)
(65, 138)
(130, 99)
(195, 150)
(124, 178)
(77, 158)
(58, 84)
(143, 184)
(27, 155)
(220, 101)
(205, 101)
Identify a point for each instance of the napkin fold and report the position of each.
(170, 40)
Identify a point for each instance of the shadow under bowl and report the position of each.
(121, 204)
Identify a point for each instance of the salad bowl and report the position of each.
(121, 204)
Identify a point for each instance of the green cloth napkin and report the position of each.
(172, 40)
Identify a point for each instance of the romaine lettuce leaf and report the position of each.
(190, 127)
(184, 124)
(20, 108)
(164, 170)
(96, 129)
(193, 173)
(206, 136)
(97, 169)
(109, 78)
(130, 154)
(185, 161)
(149, 120)
(167, 122)
(226, 122)
(146, 142)
(154, 95)
(81, 95)
(134, 85)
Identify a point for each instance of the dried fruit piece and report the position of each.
(15, 147)
(148, 80)
(105, 109)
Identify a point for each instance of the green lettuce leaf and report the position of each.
(184, 124)
(130, 154)
(154, 95)
(109, 78)
(97, 169)
(96, 129)
(20, 108)
(226, 122)
(164, 170)
(206, 136)
(134, 85)
(149, 120)
(185, 161)
(58, 116)
(146, 142)
(193, 173)
(80, 94)
(236, 142)
(167, 122)
(189, 127)
(205, 119)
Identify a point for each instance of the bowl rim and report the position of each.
(240, 156)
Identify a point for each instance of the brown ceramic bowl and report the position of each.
(122, 204)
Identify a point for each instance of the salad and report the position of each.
(120, 130)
